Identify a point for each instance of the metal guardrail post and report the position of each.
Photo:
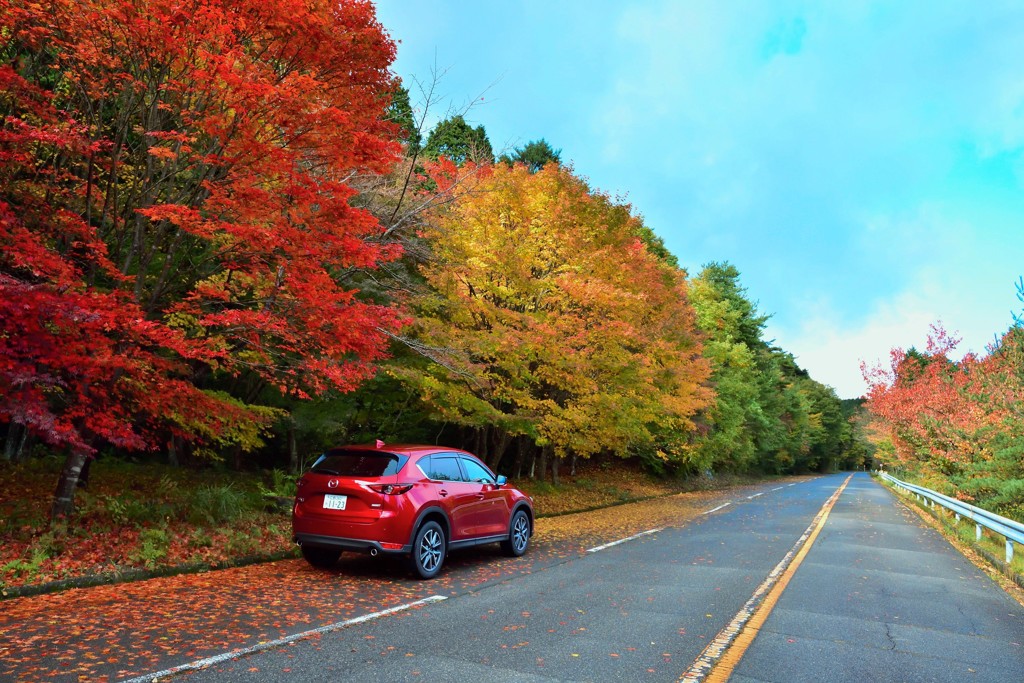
(1011, 530)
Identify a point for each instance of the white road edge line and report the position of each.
(623, 540)
(723, 505)
(755, 495)
(778, 488)
(259, 647)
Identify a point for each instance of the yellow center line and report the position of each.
(716, 663)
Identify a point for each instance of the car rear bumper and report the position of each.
(356, 545)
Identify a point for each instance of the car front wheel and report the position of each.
(428, 550)
(518, 535)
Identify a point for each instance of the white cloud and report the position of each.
(831, 348)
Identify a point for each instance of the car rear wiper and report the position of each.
(324, 470)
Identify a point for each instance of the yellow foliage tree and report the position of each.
(549, 318)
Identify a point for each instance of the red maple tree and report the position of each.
(945, 413)
(175, 204)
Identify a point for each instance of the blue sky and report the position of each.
(860, 163)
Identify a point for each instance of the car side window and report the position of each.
(424, 466)
(476, 472)
(441, 468)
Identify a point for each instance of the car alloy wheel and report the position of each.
(519, 536)
(428, 550)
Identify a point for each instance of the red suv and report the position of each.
(420, 501)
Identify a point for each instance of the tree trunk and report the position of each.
(64, 496)
(521, 446)
(293, 449)
(14, 445)
(499, 444)
(480, 443)
(543, 474)
(172, 452)
(12, 432)
(554, 470)
(572, 465)
(83, 476)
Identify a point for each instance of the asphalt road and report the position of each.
(881, 597)
(878, 596)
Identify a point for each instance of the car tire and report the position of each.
(518, 535)
(428, 550)
(323, 558)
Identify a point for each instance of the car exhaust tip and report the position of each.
(373, 552)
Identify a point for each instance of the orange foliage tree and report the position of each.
(547, 317)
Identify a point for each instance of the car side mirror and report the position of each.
(501, 480)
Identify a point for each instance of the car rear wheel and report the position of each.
(518, 535)
(320, 557)
(428, 550)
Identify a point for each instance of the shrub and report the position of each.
(218, 504)
(240, 543)
(29, 567)
(281, 484)
(586, 484)
(153, 548)
(124, 510)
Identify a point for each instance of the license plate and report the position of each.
(335, 502)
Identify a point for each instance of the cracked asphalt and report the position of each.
(882, 597)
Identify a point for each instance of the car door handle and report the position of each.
(480, 496)
(442, 493)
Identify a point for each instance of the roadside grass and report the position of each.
(992, 545)
(149, 518)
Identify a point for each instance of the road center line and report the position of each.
(778, 488)
(623, 540)
(259, 647)
(755, 495)
(720, 657)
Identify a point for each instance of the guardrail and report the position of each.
(1011, 530)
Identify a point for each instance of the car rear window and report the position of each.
(358, 464)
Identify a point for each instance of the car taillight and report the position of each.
(390, 489)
